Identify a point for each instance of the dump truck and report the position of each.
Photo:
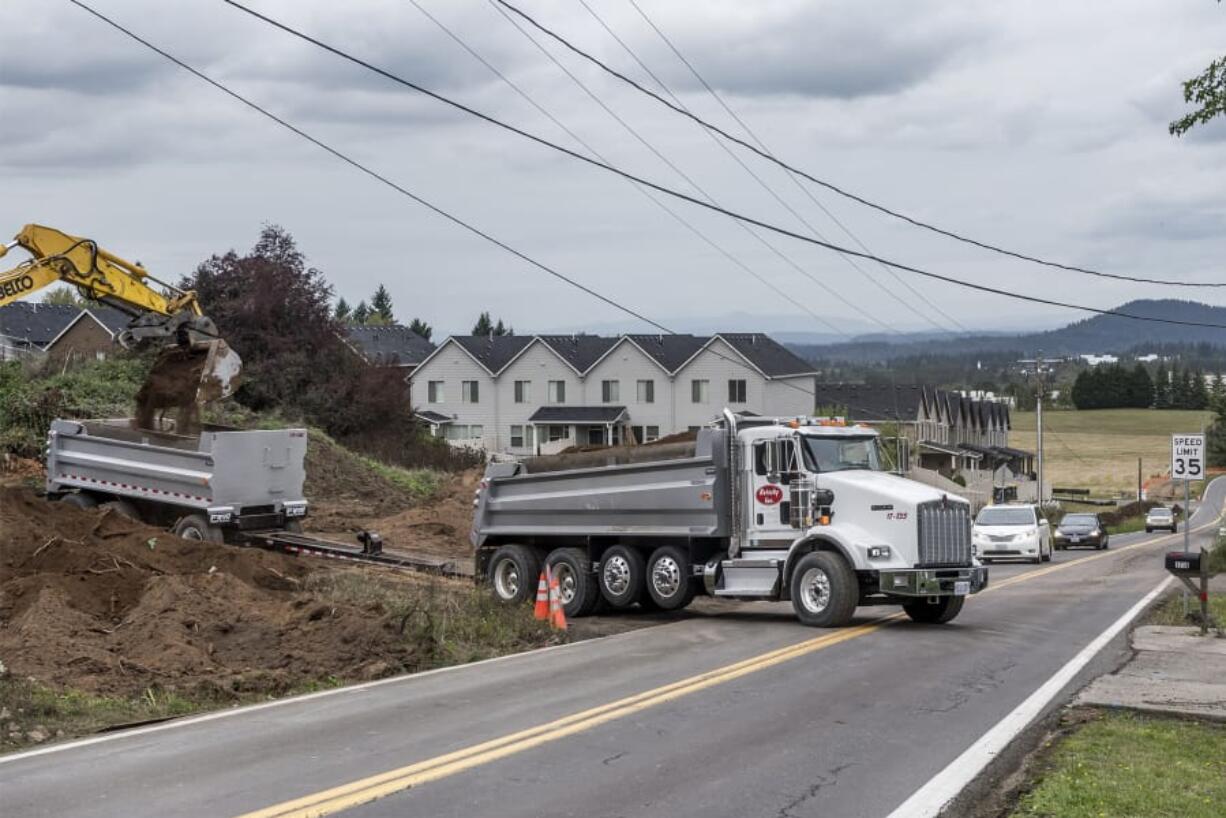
(215, 485)
(793, 509)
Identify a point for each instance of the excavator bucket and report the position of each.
(181, 379)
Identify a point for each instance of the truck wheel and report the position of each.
(934, 613)
(195, 527)
(577, 582)
(824, 590)
(669, 583)
(513, 573)
(122, 508)
(622, 576)
(78, 500)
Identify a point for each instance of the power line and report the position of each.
(841, 191)
(770, 190)
(644, 191)
(791, 176)
(693, 200)
(399, 189)
(786, 259)
(366, 170)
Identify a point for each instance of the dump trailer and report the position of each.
(756, 508)
(212, 486)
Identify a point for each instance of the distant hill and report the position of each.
(1097, 334)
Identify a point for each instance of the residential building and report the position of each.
(389, 345)
(59, 331)
(528, 394)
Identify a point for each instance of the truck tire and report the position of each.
(934, 613)
(122, 508)
(669, 583)
(622, 576)
(78, 500)
(824, 590)
(577, 582)
(196, 527)
(513, 573)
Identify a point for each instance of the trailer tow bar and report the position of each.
(369, 550)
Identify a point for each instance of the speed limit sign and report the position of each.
(1188, 457)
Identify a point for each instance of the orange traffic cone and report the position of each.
(557, 617)
(541, 611)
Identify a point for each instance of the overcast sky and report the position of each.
(1041, 126)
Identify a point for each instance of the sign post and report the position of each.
(1188, 464)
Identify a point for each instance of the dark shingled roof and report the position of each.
(580, 351)
(869, 402)
(430, 416)
(577, 414)
(390, 345)
(768, 355)
(669, 351)
(493, 351)
(39, 324)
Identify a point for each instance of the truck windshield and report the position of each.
(826, 454)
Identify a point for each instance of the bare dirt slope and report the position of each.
(437, 527)
(93, 601)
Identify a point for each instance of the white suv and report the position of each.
(1160, 517)
(1012, 532)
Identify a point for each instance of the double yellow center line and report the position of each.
(356, 793)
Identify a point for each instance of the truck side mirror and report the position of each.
(823, 497)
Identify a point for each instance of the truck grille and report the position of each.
(944, 534)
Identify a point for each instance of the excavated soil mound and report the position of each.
(438, 527)
(93, 601)
(343, 489)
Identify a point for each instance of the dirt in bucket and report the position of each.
(172, 387)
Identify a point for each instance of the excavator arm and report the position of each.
(163, 313)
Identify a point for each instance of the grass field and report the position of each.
(1098, 449)
(1122, 765)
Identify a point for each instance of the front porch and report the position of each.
(556, 428)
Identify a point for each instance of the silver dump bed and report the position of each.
(219, 467)
(683, 497)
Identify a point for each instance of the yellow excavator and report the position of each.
(163, 315)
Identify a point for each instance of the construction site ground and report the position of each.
(106, 621)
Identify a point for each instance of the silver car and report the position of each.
(1162, 518)
(1011, 532)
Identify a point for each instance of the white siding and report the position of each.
(789, 396)
(627, 365)
(718, 363)
(539, 365)
(451, 365)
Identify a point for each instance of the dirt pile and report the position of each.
(438, 527)
(344, 490)
(93, 601)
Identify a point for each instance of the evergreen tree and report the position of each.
(1215, 437)
(361, 313)
(1162, 388)
(421, 328)
(1217, 392)
(381, 305)
(1142, 388)
(1199, 391)
(343, 311)
(484, 325)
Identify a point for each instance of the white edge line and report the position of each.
(241, 710)
(929, 800)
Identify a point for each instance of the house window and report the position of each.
(736, 391)
(434, 392)
(521, 437)
(610, 391)
(700, 391)
(557, 391)
(557, 433)
(459, 431)
(470, 392)
(476, 431)
(653, 433)
(645, 391)
(523, 391)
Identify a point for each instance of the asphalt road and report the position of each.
(740, 713)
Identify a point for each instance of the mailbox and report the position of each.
(1183, 563)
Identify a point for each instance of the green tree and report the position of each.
(421, 328)
(68, 296)
(1141, 392)
(1162, 388)
(484, 325)
(361, 313)
(343, 311)
(1207, 90)
(381, 305)
(1215, 437)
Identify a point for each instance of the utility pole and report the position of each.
(1040, 390)
(1140, 491)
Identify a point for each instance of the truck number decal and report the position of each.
(896, 515)
(769, 495)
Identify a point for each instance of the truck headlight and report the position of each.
(878, 552)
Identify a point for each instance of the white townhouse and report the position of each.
(535, 394)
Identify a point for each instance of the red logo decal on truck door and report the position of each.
(769, 495)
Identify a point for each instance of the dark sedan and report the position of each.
(1081, 530)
